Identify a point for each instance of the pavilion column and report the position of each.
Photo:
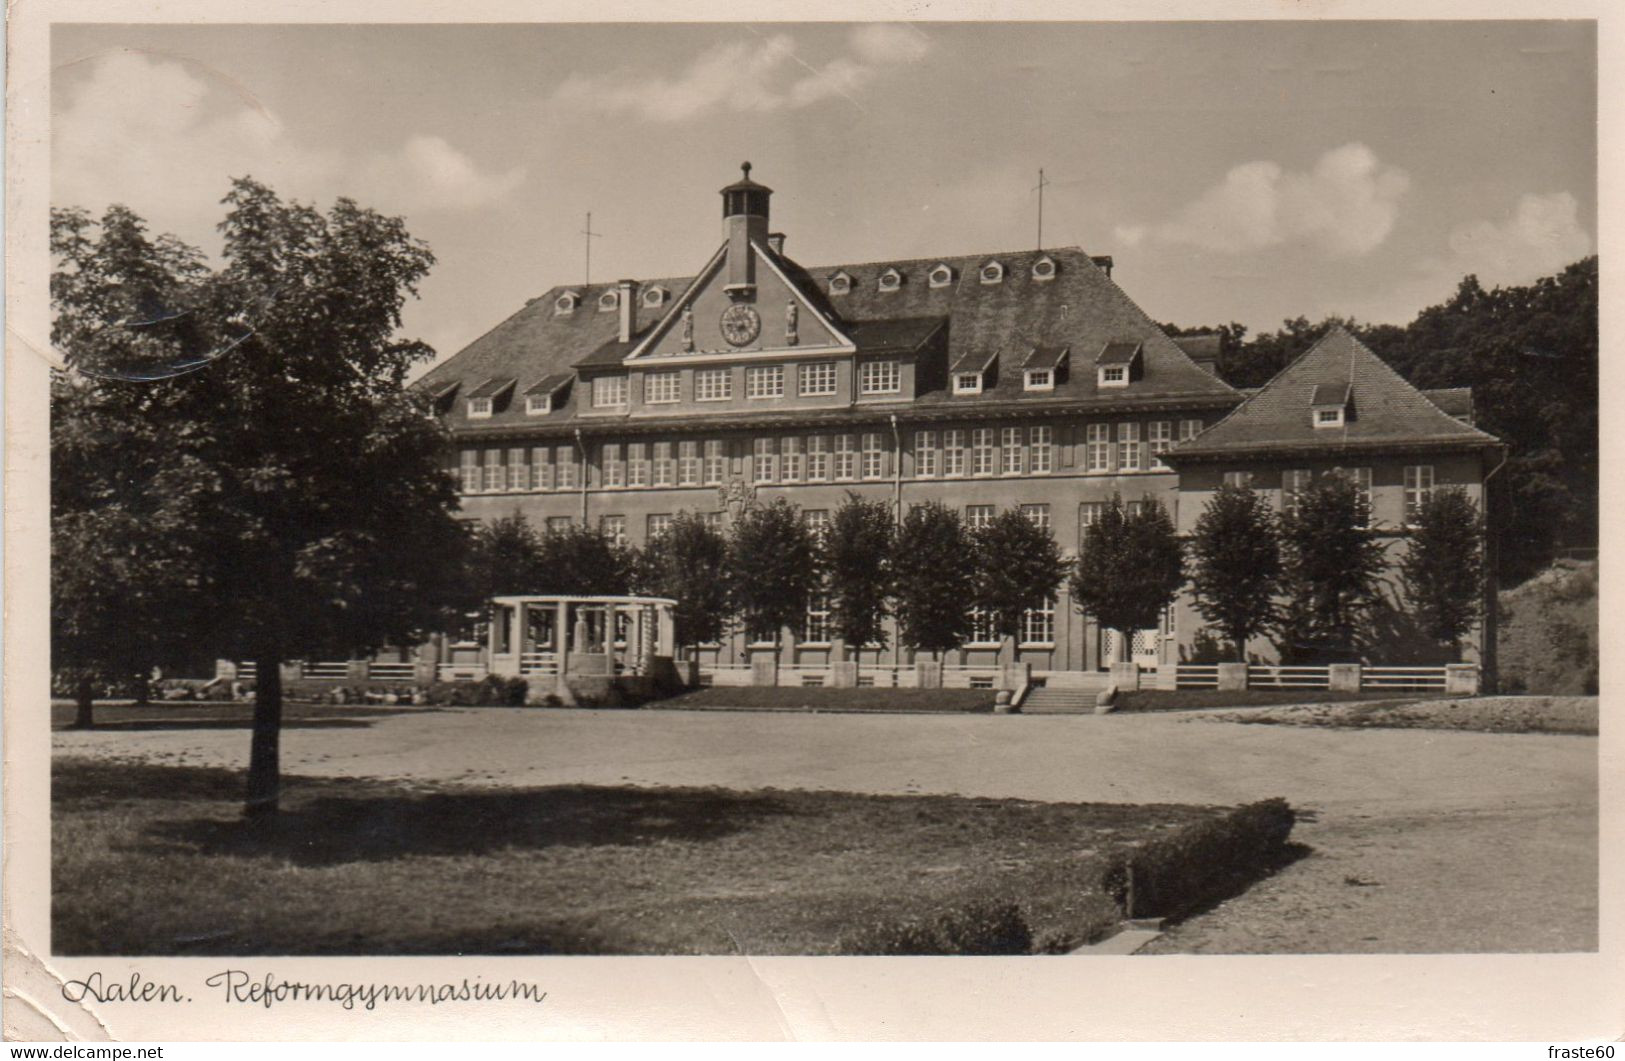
(667, 630)
(636, 650)
(561, 636)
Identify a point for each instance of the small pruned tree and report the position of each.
(933, 578)
(1443, 567)
(582, 561)
(505, 556)
(857, 559)
(772, 568)
(1236, 565)
(1130, 567)
(684, 563)
(1331, 564)
(1018, 568)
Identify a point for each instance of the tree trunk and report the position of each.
(264, 756)
(84, 702)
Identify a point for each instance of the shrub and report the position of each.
(1174, 874)
(494, 691)
(977, 927)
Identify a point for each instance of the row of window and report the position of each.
(957, 452)
(762, 382)
(1418, 485)
(941, 275)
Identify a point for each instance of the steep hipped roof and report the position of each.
(1203, 347)
(1080, 307)
(1119, 353)
(1042, 357)
(1388, 411)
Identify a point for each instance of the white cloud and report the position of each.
(747, 75)
(1346, 205)
(165, 138)
(1542, 236)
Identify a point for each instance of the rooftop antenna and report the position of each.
(590, 236)
(1042, 184)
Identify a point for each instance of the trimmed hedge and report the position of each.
(1172, 875)
(978, 927)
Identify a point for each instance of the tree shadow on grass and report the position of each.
(1289, 853)
(386, 825)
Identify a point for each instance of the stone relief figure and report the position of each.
(735, 496)
(688, 328)
(790, 314)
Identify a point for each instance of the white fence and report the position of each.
(538, 664)
(461, 672)
(1403, 679)
(1286, 678)
(1269, 676)
(1196, 675)
(392, 672)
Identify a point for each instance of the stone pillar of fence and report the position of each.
(293, 672)
(225, 670)
(928, 673)
(1461, 678)
(357, 671)
(764, 669)
(1126, 676)
(424, 672)
(1013, 676)
(1343, 677)
(843, 675)
(1232, 677)
(1168, 677)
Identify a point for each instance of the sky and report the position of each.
(1246, 171)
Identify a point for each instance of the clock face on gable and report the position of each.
(740, 323)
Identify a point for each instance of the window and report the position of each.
(1189, 429)
(815, 630)
(1114, 375)
(713, 520)
(566, 303)
(1362, 486)
(817, 378)
(471, 471)
(662, 388)
(1240, 480)
(1162, 439)
(1038, 625)
(817, 520)
(1089, 513)
(479, 408)
(688, 464)
(1010, 448)
(981, 628)
(608, 392)
(1130, 450)
(1038, 514)
(925, 454)
(765, 465)
(891, 280)
(1044, 269)
(1040, 379)
(654, 296)
(613, 528)
(879, 377)
(557, 524)
(541, 469)
(713, 385)
(953, 453)
(1328, 417)
(979, 516)
(1294, 481)
(766, 381)
(840, 284)
(967, 383)
(992, 273)
(1097, 448)
(665, 467)
(566, 471)
(493, 470)
(1041, 439)
(716, 461)
(845, 457)
(614, 467)
(658, 525)
(874, 456)
(637, 466)
(607, 302)
(518, 471)
(941, 276)
(538, 404)
(817, 458)
(982, 451)
(790, 459)
(1418, 487)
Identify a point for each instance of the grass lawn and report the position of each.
(195, 714)
(1193, 699)
(1487, 714)
(791, 698)
(153, 860)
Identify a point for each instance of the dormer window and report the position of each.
(608, 301)
(538, 404)
(993, 273)
(970, 372)
(941, 275)
(1114, 375)
(840, 284)
(608, 392)
(967, 383)
(1329, 405)
(655, 296)
(1118, 364)
(482, 400)
(566, 303)
(1044, 269)
(1040, 379)
(479, 408)
(543, 397)
(1043, 367)
(891, 280)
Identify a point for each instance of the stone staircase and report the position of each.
(1073, 695)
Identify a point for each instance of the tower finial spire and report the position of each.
(745, 168)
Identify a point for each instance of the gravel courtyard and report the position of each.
(1424, 841)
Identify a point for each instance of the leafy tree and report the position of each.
(1130, 567)
(1236, 565)
(772, 567)
(857, 553)
(1331, 565)
(1443, 567)
(330, 522)
(1018, 567)
(933, 578)
(583, 561)
(505, 556)
(685, 563)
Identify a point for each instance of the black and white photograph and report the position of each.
(1099, 494)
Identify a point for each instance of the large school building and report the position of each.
(1013, 379)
